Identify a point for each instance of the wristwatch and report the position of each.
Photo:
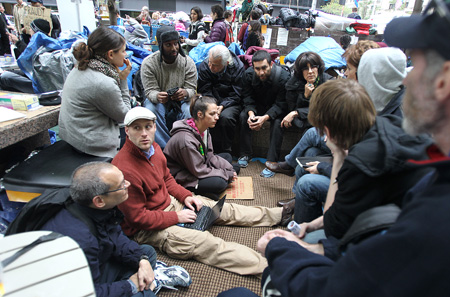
(144, 257)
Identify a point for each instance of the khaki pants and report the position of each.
(184, 243)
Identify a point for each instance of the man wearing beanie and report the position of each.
(16, 80)
(56, 25)
(168, 69)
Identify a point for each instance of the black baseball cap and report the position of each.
(423, 31)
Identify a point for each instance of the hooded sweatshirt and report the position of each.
(135, 33)
(381, 71)
(375, 173)
(189, 159)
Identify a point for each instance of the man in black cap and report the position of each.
(16, 80)
(170, 80)
(56, 25)
(411, 257)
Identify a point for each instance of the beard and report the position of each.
(168, 58)
(422, 118)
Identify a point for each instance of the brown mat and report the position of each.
(208, 281)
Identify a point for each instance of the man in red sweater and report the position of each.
(156, 204)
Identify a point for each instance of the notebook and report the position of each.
(303, 160)
(206, 216)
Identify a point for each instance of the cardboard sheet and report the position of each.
(242, 188)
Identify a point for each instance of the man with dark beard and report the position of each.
(170, 80)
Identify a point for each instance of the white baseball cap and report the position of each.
(138, 113)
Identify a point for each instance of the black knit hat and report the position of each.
(168, 33)
(40, 25)
(39, 1)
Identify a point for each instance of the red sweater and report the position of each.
(148, 194)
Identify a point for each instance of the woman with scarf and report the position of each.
(190, 155)
(95, 96)
(308, 75)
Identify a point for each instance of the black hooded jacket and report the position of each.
(375, 173)
(266, 97)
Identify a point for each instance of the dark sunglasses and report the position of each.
(312, 67)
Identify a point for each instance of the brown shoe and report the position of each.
(281, 203)
(277, 167)
(286, 214)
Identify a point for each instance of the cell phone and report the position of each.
(306, 166)
(253, 120)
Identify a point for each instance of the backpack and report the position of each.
(138, 87)
(38, 211)
(229, 39)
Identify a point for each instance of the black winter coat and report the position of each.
(375, 173)
(226, 87)
(268, 97)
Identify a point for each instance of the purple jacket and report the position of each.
(218, 31)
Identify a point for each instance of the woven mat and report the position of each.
(209, 281)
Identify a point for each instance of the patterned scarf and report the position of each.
(103, 66)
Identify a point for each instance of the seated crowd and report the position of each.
(377, 126)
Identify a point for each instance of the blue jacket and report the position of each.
(111, 244)
(410, 259)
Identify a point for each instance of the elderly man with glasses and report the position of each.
(119, 266)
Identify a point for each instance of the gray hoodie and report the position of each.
(135, 33)
(381, 71)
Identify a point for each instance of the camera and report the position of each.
(172, 92)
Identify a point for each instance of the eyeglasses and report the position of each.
(437, 7)
(312, 67)
(123, 187)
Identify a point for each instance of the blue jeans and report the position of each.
(311, 144)
(114, 271)
(310, 193)
(165, 119)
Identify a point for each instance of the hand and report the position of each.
(335, 149)
(13, 38)
(124, 73)
(145, 275)
(287, 121)
(311, 226)
(251, 117)
(219, 109)
(268, 236)
(234, 176)
(313, 168)
(179, 95)
(260, 120)
(186, 216)
(309, 88)
(190, 201)
(162, 97)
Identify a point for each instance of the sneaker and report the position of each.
(267, 173)
(243, 161)
(170, 276)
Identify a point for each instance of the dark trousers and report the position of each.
(213, 186)
(114, 271)
(245, 139)
(223, 133)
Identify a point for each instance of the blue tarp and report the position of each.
(328, 49)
